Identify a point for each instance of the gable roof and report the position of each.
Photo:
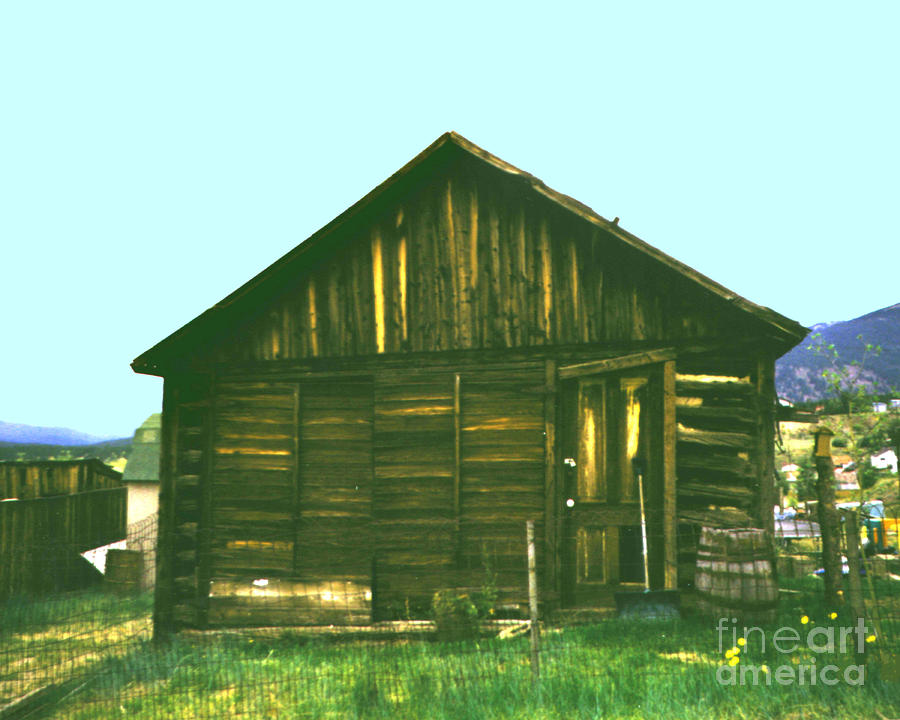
(270, 281)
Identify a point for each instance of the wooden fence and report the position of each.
(41, 478)
(41, 539)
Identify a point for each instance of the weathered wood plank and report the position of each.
(670, 505)
(619, 363)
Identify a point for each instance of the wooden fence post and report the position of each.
(854, 564)
(533, 603)
(828, 517)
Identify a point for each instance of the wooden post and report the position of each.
(551, 491)
(828, 517)
(669, 492)
(457, 468)
(533, 603)
(767, 398)
(163, 605)
(851, 535)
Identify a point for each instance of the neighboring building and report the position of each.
(141, 475)
(895, 402)
(884, 459)
(879, 407)
(461, 351)
(784, 402)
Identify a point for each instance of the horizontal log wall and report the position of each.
(396, 482)
(252, 493)
(182, 576)
(26, 480)
(379, 491)
(503, 473)
(464, 262)
(723, 446)
(335, 481)
(414, 488)
(41, 539)
(459, 468)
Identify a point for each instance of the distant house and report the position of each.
(884, 459)
(790, 472)
(895, 402)
(847, 478)
(880, 407)
(842, 461)
(784, 402)
(141, 475)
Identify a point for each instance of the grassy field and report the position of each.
(614, 669)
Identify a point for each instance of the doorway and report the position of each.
(612, 438)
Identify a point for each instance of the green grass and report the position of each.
(51, 640)
(614, 669)
(617, 669)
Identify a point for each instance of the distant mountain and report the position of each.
(798, 375)
(33, 435)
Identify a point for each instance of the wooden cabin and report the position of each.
(460, 351)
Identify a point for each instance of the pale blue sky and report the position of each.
(156, 155)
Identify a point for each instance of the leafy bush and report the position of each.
(456, 615)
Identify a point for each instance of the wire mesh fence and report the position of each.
(455, 641)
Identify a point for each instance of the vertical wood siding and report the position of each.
(41, 539)
(465, 262)
(28, 480)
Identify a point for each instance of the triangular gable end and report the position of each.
(460, 250)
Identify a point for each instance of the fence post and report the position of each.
(851, 535)
(533, 603)
(828, 517)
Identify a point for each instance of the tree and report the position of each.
(853, 394)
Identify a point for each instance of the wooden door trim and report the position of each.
(623, 362)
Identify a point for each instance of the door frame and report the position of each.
(659, 364)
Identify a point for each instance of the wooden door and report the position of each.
(615, 429)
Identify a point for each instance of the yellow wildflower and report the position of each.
(729, 653)
(804, 620)
(734, 661)
(742, 641)
(833, 615)
(764, 668)
(870, 639)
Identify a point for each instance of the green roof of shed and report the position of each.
(143, 460)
